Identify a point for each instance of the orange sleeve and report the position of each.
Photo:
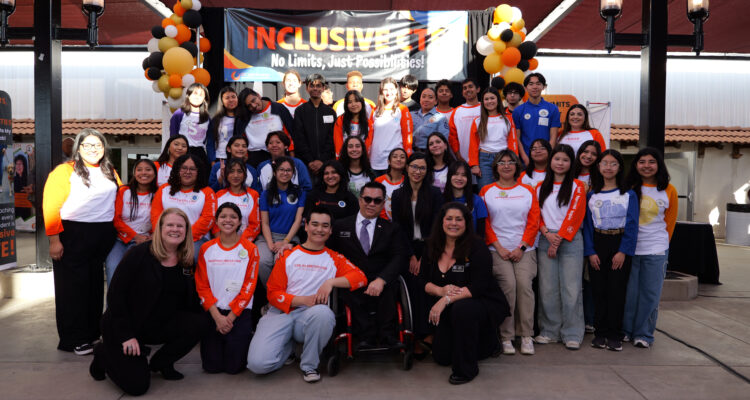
(277, 284)
(512, 137)
(489, 233)
(473, 145)
(345, 268)
(214, 227)
(124, 232)
(406, 128)
(453, 132)
(338, 135)
(575, 214)
(201, 278)
(670, 214)
(238, 304)
(532, 219)
(203, 224)
(599, 138)
(371, 132)
(56, 191)
(253, 220)
(520, 177)
(291, 141)
(157, 206)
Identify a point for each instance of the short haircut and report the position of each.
(315, 77)
(319, 210)
(373, 185)
(353, 73)
(514, 87)
(470, 79)
(409, 81)
(442, 82)
(537, 75)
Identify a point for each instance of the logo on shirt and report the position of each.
(194, 197)
(661, 203)
(503, 194)
(543, 113)
(281, 298)
(527, 116)
(242, 253)
(342, 204)
(291, 198)
(598, 204)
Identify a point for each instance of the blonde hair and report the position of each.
(184, 250)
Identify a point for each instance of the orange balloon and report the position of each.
(166, 22)
(533, 64)
(175, 81)
(205, 45)
(183, 33)
(511, 56)
(178, 9)
(201, 76)
(146, 74)
(523, 36)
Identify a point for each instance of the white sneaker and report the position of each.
(626, 338)
(541, 339)
(640, 343)
(572, 345)
(508, 348)
(527, 346)
(311, 375)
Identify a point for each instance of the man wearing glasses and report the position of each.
(536, 118)
(313, 127)
(375, 246)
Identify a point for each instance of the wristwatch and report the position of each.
(523, 247)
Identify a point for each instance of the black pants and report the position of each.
(373, 317)
(609, 287)
(79, 281)
(464, 336)
(256, 157)
(420, 301)
(227, 353)
(132, 373)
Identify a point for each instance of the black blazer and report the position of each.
(407, 224)
(387, 252)
(134, 292)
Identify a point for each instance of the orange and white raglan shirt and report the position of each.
(459, 126)
(248, 205)
(390, 130)
(291, 107)
(301, 272)
(66, 197)
(533, 180)
(390, 187)
(162, 172)
(140, 223)
(339, 135)
(338, 106)
(501, 135)
(512, 215)
(199, 206)
(576, 138)
(566, 220)
(260, 125)
(656, 220)
(227, 277)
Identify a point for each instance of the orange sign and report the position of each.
(563, 103)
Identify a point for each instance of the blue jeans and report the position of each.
(485, 165)
(197, 248)
(114, 258)
(642, 299)
(560, 293)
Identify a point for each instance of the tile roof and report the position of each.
(146, 127)
(689, 133)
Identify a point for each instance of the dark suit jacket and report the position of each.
(387, 253)
(407, 224)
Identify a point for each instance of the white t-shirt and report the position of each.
(566, 219)
(440, 178)
(93, 203)
(460, 126)
(194, 131)
(260, 125)
(513, 215)
(162, 175)
(225, 132)
(226, 270)
(388, 134)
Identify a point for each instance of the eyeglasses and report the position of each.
(286, 170)
(538, 148)
(506, 163)
(375, 200)
(418, 168)
(188, 169)
(92, 146)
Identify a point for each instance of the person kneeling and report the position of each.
(298, 290)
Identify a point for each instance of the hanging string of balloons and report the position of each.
(504, 47)
(173, 62)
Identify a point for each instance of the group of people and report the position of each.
(237, 234)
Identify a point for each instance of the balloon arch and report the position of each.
(505, 48)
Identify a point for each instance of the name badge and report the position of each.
(345, 234)
(458, 268)
(328, 119)
(232, 286)
(543, 121)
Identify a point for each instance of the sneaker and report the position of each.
(590, 329)
(292, 358)
(527, 345)
(84, 349)
(626, 338)
(541, 339)
(599, 343)
(614, 345)
(572, 345)
(508, 348)
(311, 375)
(640, 343)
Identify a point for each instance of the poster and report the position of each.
(261, 45)
(7, 200)
(22, 159)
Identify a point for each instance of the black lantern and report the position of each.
(93, 9)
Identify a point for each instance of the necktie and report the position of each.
(364, 236)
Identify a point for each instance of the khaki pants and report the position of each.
(515, 281)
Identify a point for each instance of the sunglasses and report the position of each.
(376, 200)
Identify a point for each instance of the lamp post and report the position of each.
(653, 40)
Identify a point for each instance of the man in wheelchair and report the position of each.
(375, 246)
(298, 290)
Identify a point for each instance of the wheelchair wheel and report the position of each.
(407, 322)
(334, 364)
(408, 360)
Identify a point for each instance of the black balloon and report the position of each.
(498, 83)
(191, 47)
(507, 35)
(523, 65)
(528, 50)
(146, 63)
(153, 73)
(158, 32)
(192, 19)
(192, 36)
(155, 59)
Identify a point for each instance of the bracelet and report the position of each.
(447, 300)
(285, 240)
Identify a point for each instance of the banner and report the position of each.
(261, 45)
(7, 200)
(600, 117)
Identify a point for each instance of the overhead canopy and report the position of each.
(129, 22)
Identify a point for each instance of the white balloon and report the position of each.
(196, 5)
(187, 80)
(153, 45)
(170, 31)
(485, 46)
(505, 69)
(516, 14)
(155, 86)
(523, 30)
(175, 103)
(503, 26)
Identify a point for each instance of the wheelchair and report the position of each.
(341, 345)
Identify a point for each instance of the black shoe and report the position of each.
(169, 373)
(599, 343)
(393, 343)
(366, 344)
(614, 345)
(458, 380)
(84, 349)
(96, 370)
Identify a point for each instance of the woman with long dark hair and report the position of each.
(79, 206)
(440, 157)
(175, 147)
(132, 213)
(193, 121)
(353, 122)
(586, 157)
(239, 194)
(576, 129)
(562, 200)
(392, 179)
(491, 133)
(649, 179)
(222, 124)
(610, 231)
(535, 172)
(277, 144)
(465, 306)
(391, 126)
(236, 148)
(332, 192)
(355, 161)
(458, 189)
